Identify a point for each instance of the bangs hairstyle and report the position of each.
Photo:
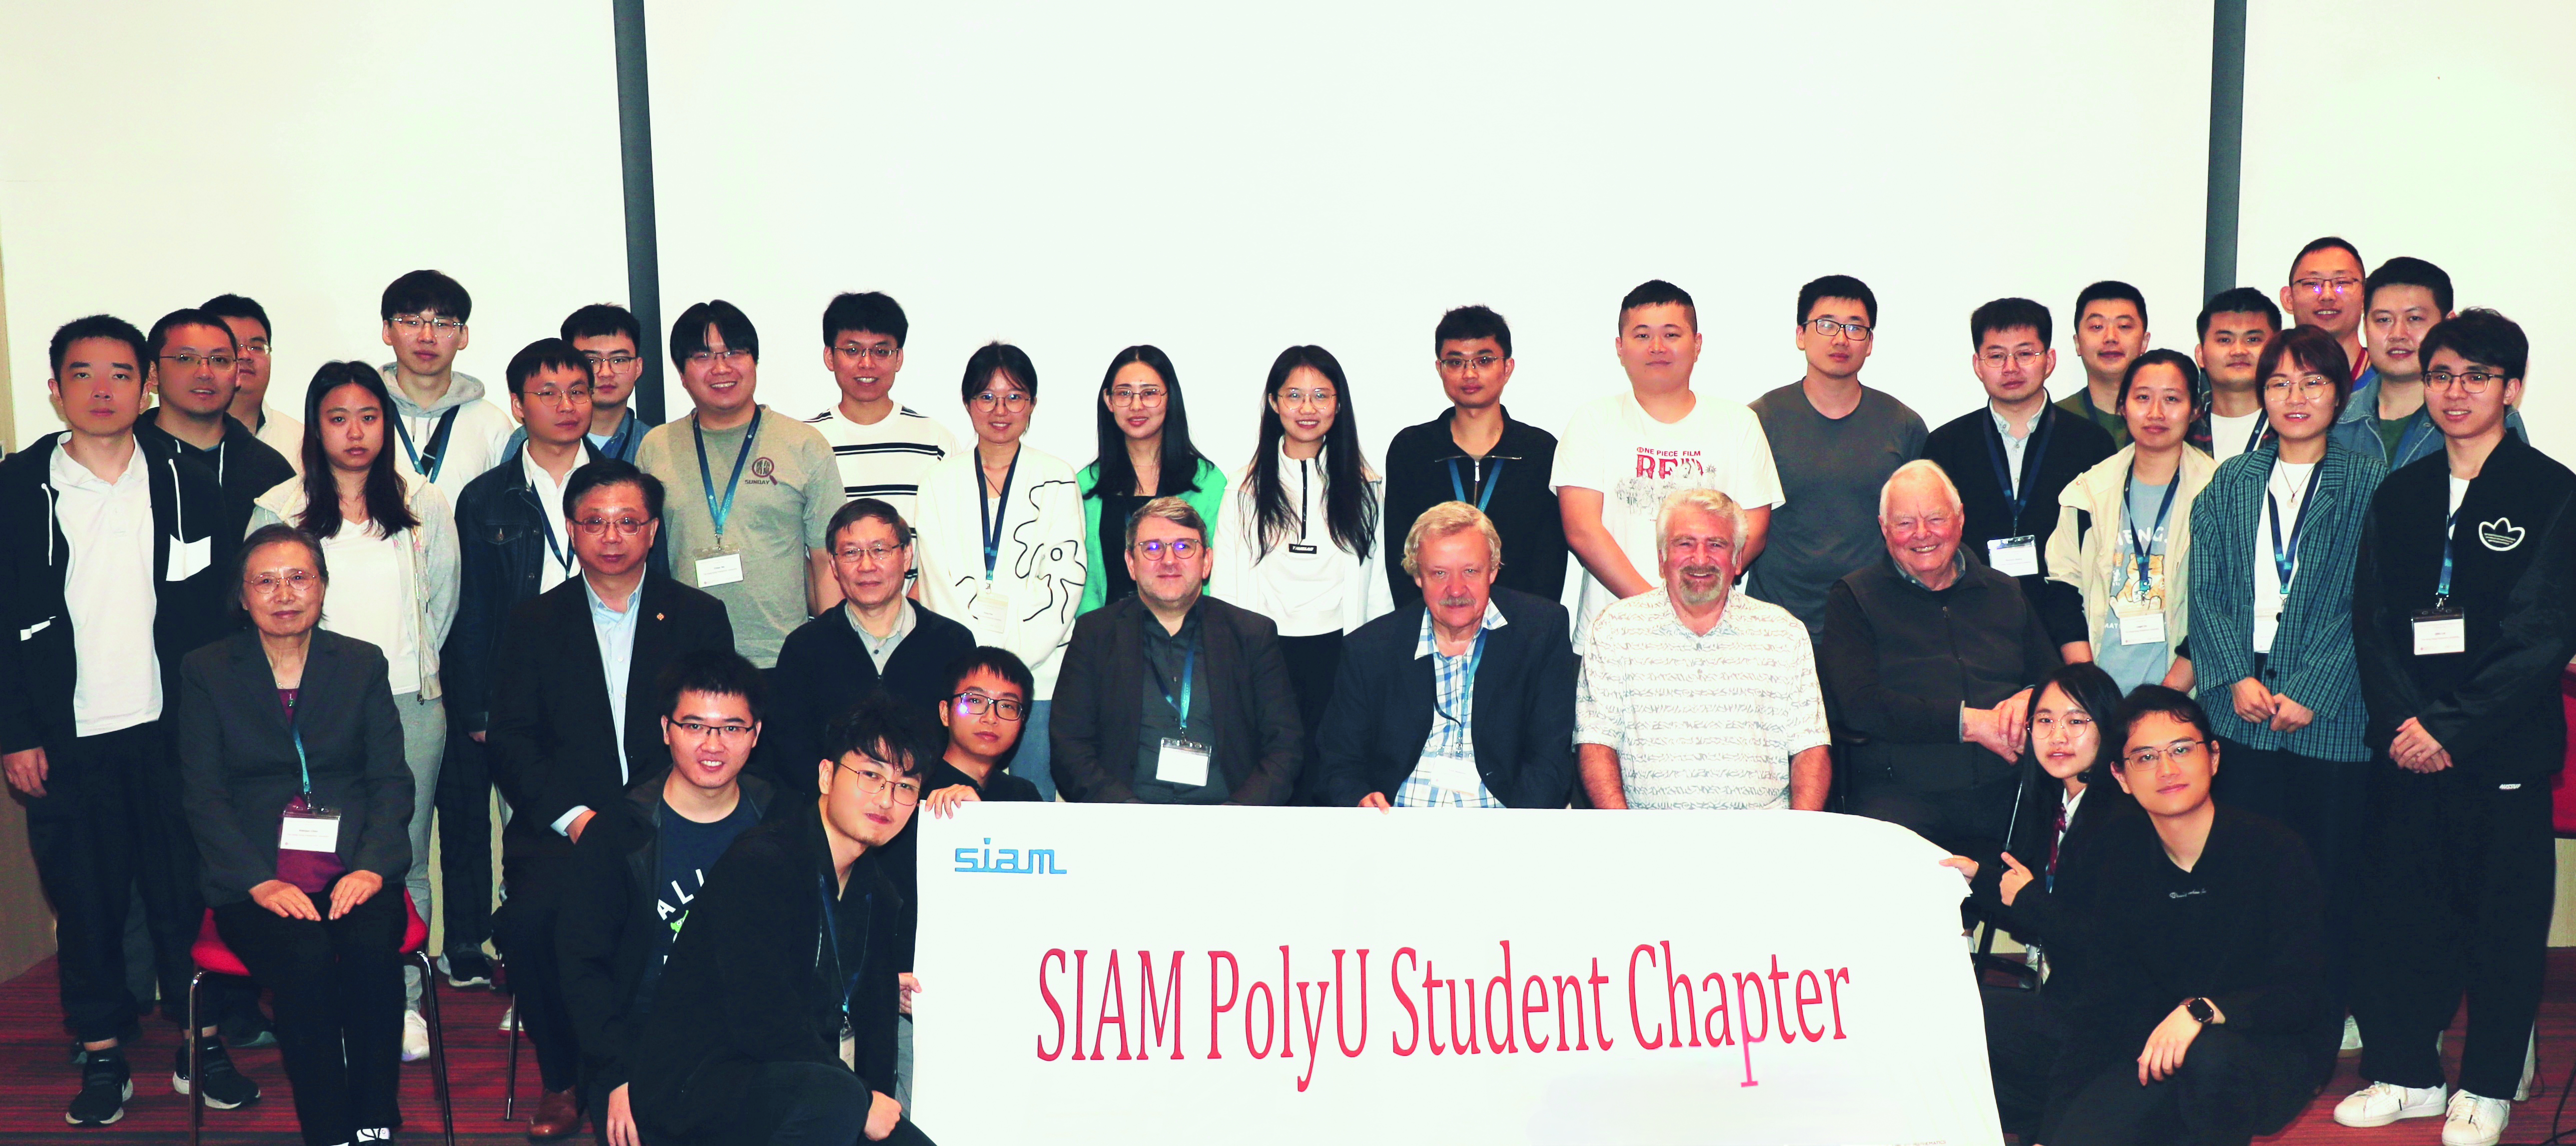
(274, 533)
(2237, 300)
(387, 510)
(714, 672)
(2164, 357)
(188, 316)
(884, 729)
(546, 354)
(606, 472)
(239, 306)
(872, 312)
(603, 320)
(1469, 323)
(2407, 270)
(2009, 314)
(865, 509)
(2147, 699)
(689, 334)
(998, 358)
(1836, 286)
(2482, 336)
(2314, 349)
(101, 326)
(2090, 689)
(1000, 662)
(426, 292)
(1350, 506)
(2327, 243)
(1446, 519)
(1178, 473)
(2106, 290)
(1657, 292)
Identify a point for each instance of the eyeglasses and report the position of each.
(1013, 401)
(871, 783)
(1137, 396)
(1180, 548)
(554, 394)
(976, 704)
(619, 361)
(706, 358)
(1319, 397)
(2473, 381)
(879, 553)
(267, 584)
(439, 327)
(1827, 327)
(719, 731)
(2025, 358)
(1459, 363)
(882, 353)
(255, 346)
(190, 361)
(2304, 384)
(593, 526)
(2320, 287)
(2153, 756)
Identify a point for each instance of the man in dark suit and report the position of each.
(1170, 696)
(572, 720)
(1466, 700)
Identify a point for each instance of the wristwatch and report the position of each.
(2199, 1010)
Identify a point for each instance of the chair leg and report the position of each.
(196, 1093)
(510, 1083)
(437, 1046)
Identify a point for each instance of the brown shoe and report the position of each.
(558, 1116)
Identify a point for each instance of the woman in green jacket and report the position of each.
(1145, 453)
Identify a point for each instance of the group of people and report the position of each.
(705, 662)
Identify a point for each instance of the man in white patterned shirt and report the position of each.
(1694, 699)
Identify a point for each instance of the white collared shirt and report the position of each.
(108, 591)
(615, 631)
(2014, 447)
(559, 564)
(1700, 721)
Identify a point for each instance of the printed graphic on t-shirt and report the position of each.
(671, 904)
(2126, 597)
(1656, 473)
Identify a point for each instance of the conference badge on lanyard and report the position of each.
(306, 825)
(1181, 761)
(721, 563)
(2443, 628)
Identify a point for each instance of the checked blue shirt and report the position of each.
(1446, 776)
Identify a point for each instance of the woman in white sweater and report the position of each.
(1298, 540)
(1016, 576)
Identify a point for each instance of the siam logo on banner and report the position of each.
(1277, 974)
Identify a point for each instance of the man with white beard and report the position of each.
(1694, 698)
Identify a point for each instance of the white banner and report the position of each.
(1121, 973)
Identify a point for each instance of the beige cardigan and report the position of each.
(2084, 559)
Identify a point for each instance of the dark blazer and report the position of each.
(1898, 660)
(552, 742)
(2037, 912)
(501, 551)
(1523, 722)
(1965, 448)
(1100, 697)
(237, 759)
(749, 981)
(2495, 708)
(605, 925)
(823, 670)
(1523, 506)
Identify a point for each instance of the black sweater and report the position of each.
(1523, 507)
(2036, 913)
(1898, 660)
(1965, 447)
(823, 670)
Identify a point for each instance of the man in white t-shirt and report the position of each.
(2233, 328)
(882, 448)
(1621, 455)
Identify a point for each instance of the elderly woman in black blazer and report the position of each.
(291, 754)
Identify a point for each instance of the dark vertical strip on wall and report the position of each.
(2226, 145)
(635, 153)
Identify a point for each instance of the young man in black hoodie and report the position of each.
(116, 560)
(195, 370)
(2461, 626)
(774, 1020)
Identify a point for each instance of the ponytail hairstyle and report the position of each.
(1350, 506)
(1180, 467)
(384, 491)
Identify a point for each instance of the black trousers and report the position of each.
(337, 986)
(2325, 803)
(2023, 1039)
(1960, 819)
(110, 826)
(524, 930)
(2230, 1088)
(1312, 664)
(465, 842)
(2467, 872)
(812, 1104)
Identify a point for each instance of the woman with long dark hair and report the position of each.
(1145, 453)
(391, 537)
(1299, 541)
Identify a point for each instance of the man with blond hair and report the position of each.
(1692, 697)
(1464, 700)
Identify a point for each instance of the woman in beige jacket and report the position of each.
(2123, 542)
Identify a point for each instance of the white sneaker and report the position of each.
(2351, 1033)
(415, 1037)
(2381, 1103)
(2475, 1121)
(510, 1020)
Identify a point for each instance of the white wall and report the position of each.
(156, 154)
(2448, 135)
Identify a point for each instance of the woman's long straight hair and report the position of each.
(1350, 506)
(384, 490)
(1180, 465)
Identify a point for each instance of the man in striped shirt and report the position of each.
(882, 448)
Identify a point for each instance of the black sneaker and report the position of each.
(248, 1030)
(467, 969)
(106, 1082)
(225, 1088)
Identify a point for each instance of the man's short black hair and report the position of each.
(2329, 242)
(240, 306)
(602, 320)
(2407, 270)
(2110, 289)
(101, 326)
(1000, 662)
(426, 292)
(2238, 300)
(1469, 323)
(1836, 286)
(1657, 292)
(2156, 698)
(689, 334)
(543, 354)
(882, 728)
(610, 471)
(714, 672)
(2164, 357)
(998, 356)
(2008, 314)
(2482, 336)
(863, 509)
(872, 312)
(159, 339)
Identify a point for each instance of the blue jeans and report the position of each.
(1033, 759)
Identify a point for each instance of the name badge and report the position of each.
(1182, 762)
(2142, 629)
(189, 558)
(2439, 631)
(316, 831)
(991, 610)
(722, 569)
(2014, 556)
(849, 1045)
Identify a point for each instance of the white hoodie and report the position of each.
(1306, 584)
(479, 440)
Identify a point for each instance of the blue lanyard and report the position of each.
(295, 728)
(1466, 688)
(437, 454)
(621, 444)
(719, 512)
(1189, 661)
(2442, 591)
(2262, 422)
(1459, 489)
(2030, 459)
(992, 513)
(2140, 546)
(2285, 554)
(832, 932)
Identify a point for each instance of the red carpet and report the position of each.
(36, 1080)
